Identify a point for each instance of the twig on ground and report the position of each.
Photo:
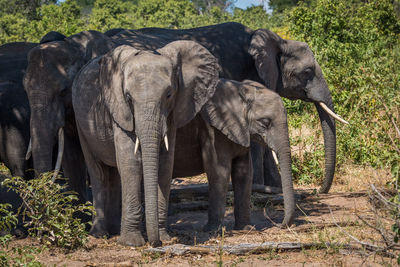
(368, 246)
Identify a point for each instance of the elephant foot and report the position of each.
(212, 227)
(98, 230)
(244, 227)
(133, 239)
(164, 236)
(114, 229)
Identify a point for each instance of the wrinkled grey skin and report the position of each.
(218, 142)
(14, 108)
(52, 67)
(131, 94)
(284, 66)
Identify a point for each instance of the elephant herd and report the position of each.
(132, 109)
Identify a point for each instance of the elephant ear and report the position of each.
(111, 82)
(197, 71)
(52, 36)
(227, 111)
(265, 48)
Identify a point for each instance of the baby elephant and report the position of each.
(218, 142)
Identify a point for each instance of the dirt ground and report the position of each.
(316, 222)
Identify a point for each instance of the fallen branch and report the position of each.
(246, 248)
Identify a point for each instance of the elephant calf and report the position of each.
(218, 142)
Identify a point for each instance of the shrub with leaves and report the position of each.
(358, 47)
(50, 211)
(8, 220)
(16, 256)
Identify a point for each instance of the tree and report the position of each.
(278, 6)
(254, 17)
(206, 5)
(107, 14)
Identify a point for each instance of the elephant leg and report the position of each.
(164, 182)
(130, 170)
(113, 202)
(74, 167)
(242, 173)
(14, 148)
(217, 165)
(272, 177)
(257, 152)
(98, 179)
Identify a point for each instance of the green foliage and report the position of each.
(64, 18)
(17, 256)
(254, 17)
(72, 16)
(206, 5)
(50, 212)
(108, 14)
(25, 256)
(278, 6)
(164, 13)
(8, 220)
(357, 45)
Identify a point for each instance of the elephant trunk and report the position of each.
(149, 133)
(285, 163)
(329, 131)
(43, 137)
(42, 149)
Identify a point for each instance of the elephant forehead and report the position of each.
(148, 62)
(267, 103)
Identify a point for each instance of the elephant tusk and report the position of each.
(60, 153)
(275, 157)
(136, 145)
(330, 112)
(29, 151)
(166, 142)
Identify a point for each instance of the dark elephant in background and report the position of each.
(285, 66)
(52, 67)
(14, 106)
(218, 142)
(125, 103)
(14, 116)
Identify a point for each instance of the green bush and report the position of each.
(50, 212)
(357, 45)
(17, 256)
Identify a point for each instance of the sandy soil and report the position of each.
(315, 222)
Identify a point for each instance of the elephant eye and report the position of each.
(308, 72)
(169, 94)
(266, 123)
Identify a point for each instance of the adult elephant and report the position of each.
(284, 66)
(218, 142)
(52, 67)
(14, 106)
(130, 97)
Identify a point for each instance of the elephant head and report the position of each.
(149, 93)
(52, 66)
(245, 111)
(289, 68)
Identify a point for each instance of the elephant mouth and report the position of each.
(137, 143)
(60, 152)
